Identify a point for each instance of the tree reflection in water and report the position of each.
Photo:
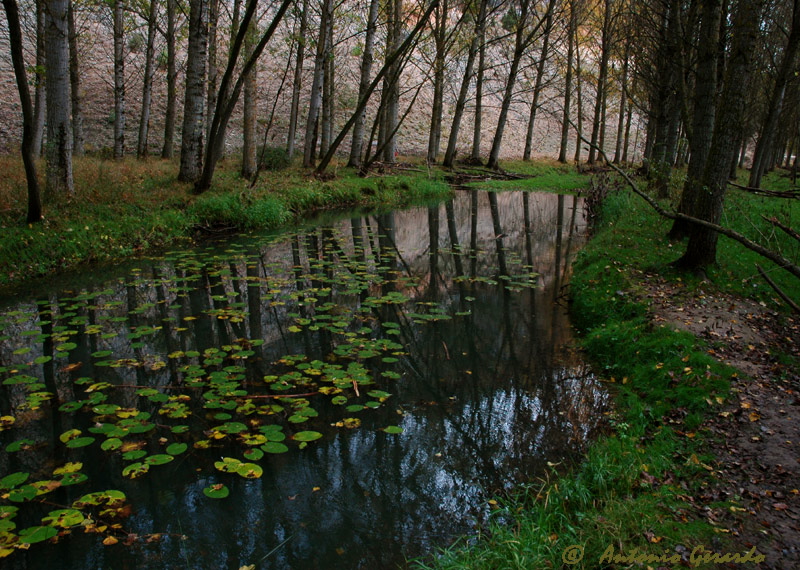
(488, 390)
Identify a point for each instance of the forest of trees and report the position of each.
(711, 84)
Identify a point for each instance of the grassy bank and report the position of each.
(122, 209)
(632, 495)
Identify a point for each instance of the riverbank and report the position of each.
(689, 465)
(130, 208)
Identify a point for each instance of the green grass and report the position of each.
(631, 490)
(541, 176)
(126, 208)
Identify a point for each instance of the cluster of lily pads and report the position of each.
(145, 401)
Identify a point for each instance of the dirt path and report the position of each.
(757, 433)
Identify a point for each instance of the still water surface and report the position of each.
(385, 374)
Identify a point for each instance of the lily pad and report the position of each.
(176, 448)
(218, 491)
(34, 534)
(80, 442)
(306, 436)
(274, 447)
(64, 518)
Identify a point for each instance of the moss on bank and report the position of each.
(126, 208)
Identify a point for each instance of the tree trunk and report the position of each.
(579, 96)
(461, 102)
(327, 85)
(391, 93)
(477, 133)
(599, 104)
(119, 79)
(440, 41)
(623, 92)
(147, 88)
(250, 112)
(704, 113)
(228, 96)
(537, 88)
(315, 101)
(701, 250)
(522, 40)
(28, 155)
(39, 98)
(298, 76)
(391, 60)
(75, 85)
(784, 75)
(192, 138)
(211, 69)
(169, 117)
(59, 185)
(357, 144)
(562, 152)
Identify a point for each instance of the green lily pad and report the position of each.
(22, 494)
(135, 470)
(254, 454)
(134, 454)
(80, 442)
(250, 470)
(111, 444)
(159, 459)
(306, 436)
(218, 491)
(14, 479)
(19, 445)
(393, 429)
(274, 447)
(176, 448)
(64, 518)
(34, 534)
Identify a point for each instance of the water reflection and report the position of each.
(453, 309)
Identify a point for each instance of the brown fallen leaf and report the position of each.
(780, 506)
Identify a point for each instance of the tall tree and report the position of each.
(704, 112)
(294, 110)
(786, 71)
(701, 249)
(172, 75)
(59, 185)
(75, 84)
(119, 78)
(315, 100)
(391, 60)
(192, 137)
(28, 154)
(250, 110)
(537, 87)
(367, 57)
(39, 97)
(229, 90)
(461, 101)
(524, 33)
(441, 43)
(602, 78)
(565, 121)
(147, 86)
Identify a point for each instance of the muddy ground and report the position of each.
(756, 433)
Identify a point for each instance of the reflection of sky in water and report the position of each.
(485, 400)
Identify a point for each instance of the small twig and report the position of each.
(795, 307)
(777, 223)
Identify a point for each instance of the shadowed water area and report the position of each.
(350, 395)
